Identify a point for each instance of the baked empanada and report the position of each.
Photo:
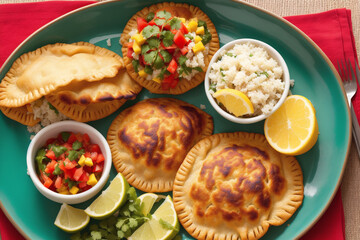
(234, 186)
(21, 115)
(149, 140)
(119, 87)
(163, 54)
(38, 73)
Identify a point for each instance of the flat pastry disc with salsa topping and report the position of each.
(167, 47)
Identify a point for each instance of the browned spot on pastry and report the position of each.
(198, 193)
(278, 182)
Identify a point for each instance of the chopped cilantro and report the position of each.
(57, 170)
(182, 59)
(70, 183)
(250, 55)
(65, 136)
(213, 87)
(74, 155)
(206, 37)
(159, 21)
(166, 56)
(189, 36)
(199, 69)
(230, 54)
(148, 69)
(145, 48)
(135, 64)
(175, 23)
(58, 150)
(40, 156)
(163, 14)
(77, 145)
(150, 31)
(149, 58)
(150, 16)
(202, 23)
(158, 63)
(153, 42)
(53, 108)
(163, 72)
(222, 72)
(168, 38)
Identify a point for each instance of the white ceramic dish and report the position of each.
(52, 131)
(274, 54)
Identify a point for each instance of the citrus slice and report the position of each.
(234, 101)
(71, 219)
(293, 128)
(110, 200)
(163, 224)
(147, 201)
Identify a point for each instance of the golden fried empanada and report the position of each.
(85, 113)
(38, 73)
(119, 87)
(234, 186)
(149, 140)
(20, 114)
(180, 10)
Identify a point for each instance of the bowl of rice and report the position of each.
(255, 69)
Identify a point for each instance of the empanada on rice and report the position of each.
(38, 73)
(179, 10)
(85, 113)
(20, 114)
(119, 87)
(234, 186)
(149, 140)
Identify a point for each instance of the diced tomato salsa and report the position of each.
(70, 163)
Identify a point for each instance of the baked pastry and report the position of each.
(21, 115)
(167, 47)
(149, 140)
(234, 186)
(38, 73)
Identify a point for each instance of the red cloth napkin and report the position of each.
(331, 30)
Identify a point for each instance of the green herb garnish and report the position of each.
(168, 38)
(175, 23)
(76, 145)
(136, 65)
(53, 108)
(57, 170)
(40, 156)
(150, 16)
(65, 136)
(166, 56)
(149, 58)
(150, 31)
(163, 14)
(58, 150)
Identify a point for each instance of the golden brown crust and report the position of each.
(38, 73)
(119, 87)
(21, 115)
(149, 140)
(85, 113)
(234, 186)
(180, 10)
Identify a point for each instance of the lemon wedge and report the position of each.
(71, 219)
(293, 128)
(110, 200)
(234, 101)
(163, 225)
(147, 201)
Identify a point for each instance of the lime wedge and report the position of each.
(71, 219)
(163, 224)
(147, 201)
(110, 200)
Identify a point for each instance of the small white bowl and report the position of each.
(52, 131)
(274, 54)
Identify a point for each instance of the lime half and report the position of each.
(110, 200)
(71, 219)
(163, 224)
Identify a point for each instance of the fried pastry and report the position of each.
(21, 115)
(234, 186)
(168, 46)
(38, 73)
(149, 140)
(119, 87)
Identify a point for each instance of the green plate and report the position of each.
(314, 75)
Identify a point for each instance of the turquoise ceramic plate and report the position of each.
(314, 76)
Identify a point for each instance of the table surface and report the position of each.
(351, 178)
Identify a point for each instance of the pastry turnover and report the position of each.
(149, 140)
(38, 73)
(182, 11)
(234, 186)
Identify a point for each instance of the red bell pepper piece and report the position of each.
(58, 182)
(94, 156)
(179, 39)
(50, 154)
(141, 24)
(72, 138)
(94, 148)
(184, 29)
(100, 158)
(184, 50)
(78, 172)
(172, 66)
(46, 180)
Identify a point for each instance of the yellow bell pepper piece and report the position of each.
(156, 79)
(89, 162)
(198, 47)
(192, 25)
(200, 30)
(74, 190)
(142, 73)
(183, 20)
(139, 39)
(197, 39)
(92, 180)
(81, 161)
(136, 48)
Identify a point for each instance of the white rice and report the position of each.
(41, 109)
(251, 70)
